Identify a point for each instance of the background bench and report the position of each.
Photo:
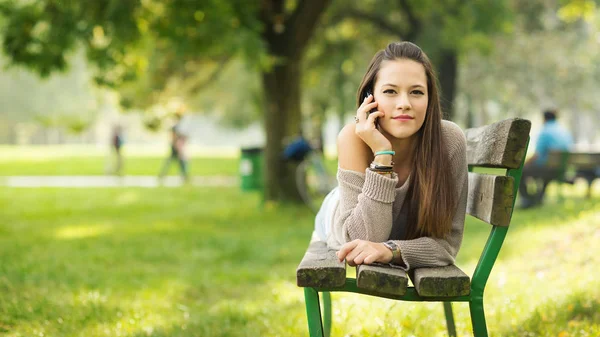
(569, 165)
(491, 199)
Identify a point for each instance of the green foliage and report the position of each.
(580, 9)
(532, 69)
(234, 97)
(141, 44)
(450, 24)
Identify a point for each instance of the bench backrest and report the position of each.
(501, 145)
(558, 160)
(564, 161)
(584, 160)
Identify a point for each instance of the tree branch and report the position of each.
(213, 76)
(415, 24)
(270, 11)
(375, 20)
(302, 23)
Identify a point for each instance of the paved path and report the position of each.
(114, 181)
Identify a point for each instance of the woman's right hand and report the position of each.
(366, 129)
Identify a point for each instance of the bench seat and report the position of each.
(320, 268)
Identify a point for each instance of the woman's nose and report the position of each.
(403, 102)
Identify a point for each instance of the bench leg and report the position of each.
(313, 312)
(449, 319)
(326, 297)
(478, 318)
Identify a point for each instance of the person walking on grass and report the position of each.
(116, 143)
(402, 170)
(177, 150)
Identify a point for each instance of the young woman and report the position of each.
(402, 170)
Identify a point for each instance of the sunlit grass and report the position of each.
(214, 262)
(84, 160)
(42, 152)
(90, 165)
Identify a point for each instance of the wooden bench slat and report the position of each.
(381, 279)
(320, 267)
(490, 198)
(441, 282)
(501, 144)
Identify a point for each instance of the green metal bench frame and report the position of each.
(500, 145)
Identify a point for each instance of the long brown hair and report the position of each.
(430, 197)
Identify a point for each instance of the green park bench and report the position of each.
(491, 198)
(584, 165)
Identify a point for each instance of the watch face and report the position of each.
(391, 244)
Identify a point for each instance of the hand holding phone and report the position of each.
(373, 138)
(367, 93)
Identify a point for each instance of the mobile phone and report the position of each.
(367, 93)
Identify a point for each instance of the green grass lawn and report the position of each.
(88, 160)
(80, 160)
(91, 165)
(214, 262)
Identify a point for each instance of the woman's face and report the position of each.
(401, 93)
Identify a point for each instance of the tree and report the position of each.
(334, 66)
(444, 29)
(158, 44)
(549, 60)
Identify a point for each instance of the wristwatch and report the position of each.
(394, 248)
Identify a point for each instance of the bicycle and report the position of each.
(313, 180)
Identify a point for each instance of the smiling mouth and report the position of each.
(403, 118)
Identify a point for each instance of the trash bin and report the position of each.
(251, 173)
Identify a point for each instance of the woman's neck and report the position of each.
(404, 149)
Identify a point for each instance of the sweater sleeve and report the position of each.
(435, 252)
(365, 207)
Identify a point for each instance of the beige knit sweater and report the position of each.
(369, 209)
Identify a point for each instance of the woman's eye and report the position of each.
(389, 91)
(418, 92)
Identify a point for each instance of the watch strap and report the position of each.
(391, 245)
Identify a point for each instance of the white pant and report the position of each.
(324, 218)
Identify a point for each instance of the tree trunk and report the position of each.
(282, 121)
(448, 70)
(286, 37)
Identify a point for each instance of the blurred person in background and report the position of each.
(116, 144)
(178, 149)
(536, 173)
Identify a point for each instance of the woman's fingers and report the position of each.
(347, 248)
(359, 252)
(366, 106)
(360, 258)
(373, 116)
(372, 258)
(352, 255)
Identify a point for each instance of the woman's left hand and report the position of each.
(364, 252)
